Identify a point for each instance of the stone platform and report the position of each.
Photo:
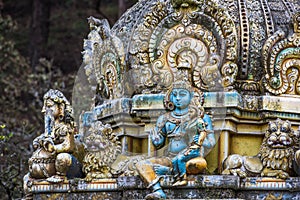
(199, 187)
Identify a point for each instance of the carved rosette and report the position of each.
(281, 59)
(198, 34)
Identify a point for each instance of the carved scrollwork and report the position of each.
(229, 72)
(187, 3)
(227, 26)
(282, 62)
(251, 103)
(142, 34)
(170, 37)
(248, 87)
(104, 59)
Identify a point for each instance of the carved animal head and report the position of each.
(279, 145)
(280, 135)
(102, 147)
(100, 138)
(56, 104)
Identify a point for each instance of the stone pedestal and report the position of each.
(199, 187)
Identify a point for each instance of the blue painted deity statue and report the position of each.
(185, 132)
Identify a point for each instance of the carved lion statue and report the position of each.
(275, 158)
(278, 149)
(102, 147)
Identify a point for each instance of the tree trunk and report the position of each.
(39, 30)
(1, 6)
(122, 7)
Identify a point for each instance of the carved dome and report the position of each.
(231, 44)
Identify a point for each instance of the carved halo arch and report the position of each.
(109, 65)
(153, 42)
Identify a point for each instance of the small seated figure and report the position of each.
(53, 157)
(176, 130)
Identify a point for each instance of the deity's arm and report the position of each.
(68, 144)
(158, 136)
(210, 140)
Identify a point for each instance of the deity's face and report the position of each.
(181, 98)
(51, 108)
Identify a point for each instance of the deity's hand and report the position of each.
(162, 170)
(201, 124)
(49, 145)
(155, 137)
(37, 143)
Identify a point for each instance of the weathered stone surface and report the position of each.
(199, 187)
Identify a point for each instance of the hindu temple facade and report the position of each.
(243, 55)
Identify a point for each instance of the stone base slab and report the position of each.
(199, 187)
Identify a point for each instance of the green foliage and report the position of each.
(13, 153)
(6, 136)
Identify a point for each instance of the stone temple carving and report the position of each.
(183, 125)
(103, 157)
(53, 158)
(241, 59)
(163, 40)
(281, 61)
(102, 148)
(275, 157)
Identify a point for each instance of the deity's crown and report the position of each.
(56, 96)
(182, 84)
(181, 77)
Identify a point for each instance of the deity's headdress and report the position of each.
(57, 97)
(181, 82)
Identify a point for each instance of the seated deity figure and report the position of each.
(53, 157)
(185, 132)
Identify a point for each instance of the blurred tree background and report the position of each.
(40, 48)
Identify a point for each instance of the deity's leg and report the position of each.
(147, 173)
(182, 158)
(62, 164)
(175, 166)
(157, 193)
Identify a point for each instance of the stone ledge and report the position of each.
(196, 182)
(263, 183)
